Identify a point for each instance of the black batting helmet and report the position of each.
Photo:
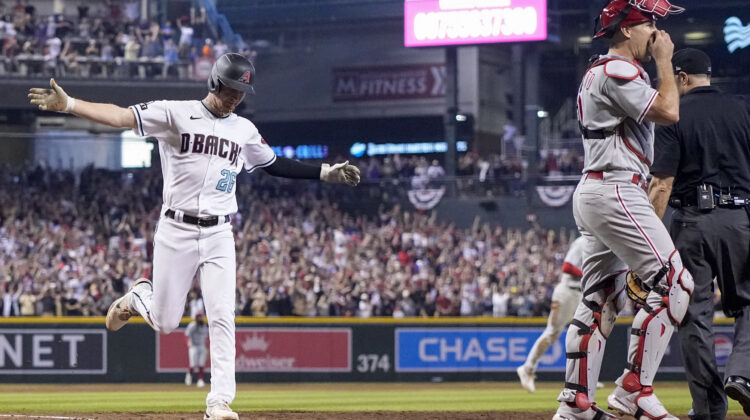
(233, 71)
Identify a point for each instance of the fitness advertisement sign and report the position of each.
(53, 352)
(270, 350)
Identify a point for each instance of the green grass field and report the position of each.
(57, 399)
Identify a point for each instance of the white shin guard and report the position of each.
(587, 339)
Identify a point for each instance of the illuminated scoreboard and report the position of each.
(459, 22)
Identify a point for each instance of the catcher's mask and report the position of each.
(620, 13)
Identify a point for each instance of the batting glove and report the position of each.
(343, 173)
(54, 99)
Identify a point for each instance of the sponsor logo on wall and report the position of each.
(481, 349)
(270, 350)
(53, 352)
(736, 34)
(398, 82)
(723, 339)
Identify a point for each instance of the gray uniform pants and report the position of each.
(714, 244)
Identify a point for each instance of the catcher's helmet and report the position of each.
(629, 12)
(233, 71)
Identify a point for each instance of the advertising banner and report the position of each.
(398, 82)
(457, 22)
(53, 351)
(270, 350)
(723, 339)
(477, 349)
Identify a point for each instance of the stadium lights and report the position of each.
(460, 117)
(542, 114)
(697, 37)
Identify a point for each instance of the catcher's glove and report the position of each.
(636, 288)
(341, 172)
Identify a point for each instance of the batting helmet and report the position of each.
(630, 12)
(233, 71)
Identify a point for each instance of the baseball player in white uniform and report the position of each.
(196, 333)
(203, 146)
(565, 299)
(617, 109)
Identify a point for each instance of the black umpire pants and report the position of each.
(714, 244)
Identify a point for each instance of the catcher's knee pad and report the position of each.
(649, 339)
(676, 288)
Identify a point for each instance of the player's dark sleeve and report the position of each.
(666, 151)
(291, 168)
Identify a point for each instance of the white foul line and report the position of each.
(23, 416)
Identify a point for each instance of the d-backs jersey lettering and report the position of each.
(201, 154)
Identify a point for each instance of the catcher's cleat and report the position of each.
(119, 312)
(568, 412)
(641, 404)
(527, 378)
(220, 411)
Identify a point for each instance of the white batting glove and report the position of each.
(343, 173)
(54, 99)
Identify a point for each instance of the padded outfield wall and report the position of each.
(81, 350)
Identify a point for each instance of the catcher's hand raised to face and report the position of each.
(54, 99)
(343, 173)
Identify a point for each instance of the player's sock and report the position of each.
(140, 301)
(200, 373)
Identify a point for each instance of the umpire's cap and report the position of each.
(691, 61)
(233, 71)
(620, 13)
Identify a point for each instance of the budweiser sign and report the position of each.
(270, 350)
(418, 81)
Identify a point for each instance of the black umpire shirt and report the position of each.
(710, 144)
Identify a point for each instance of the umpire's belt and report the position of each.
(690, 200)
(199, 221)
(625, 176)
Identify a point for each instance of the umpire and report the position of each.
(702, 170)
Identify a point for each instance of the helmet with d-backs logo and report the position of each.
(630, 12)
(233, 71)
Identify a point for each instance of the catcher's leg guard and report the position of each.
(653, 326)
(587, 338)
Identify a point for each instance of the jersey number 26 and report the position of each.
(227, 183)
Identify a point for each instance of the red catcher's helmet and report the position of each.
(630, 12)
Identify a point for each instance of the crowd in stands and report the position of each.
(70, 244)
(484, 174)
(104, 39)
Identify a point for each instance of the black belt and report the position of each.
(199, 221)
(595, 134)
(691, 200)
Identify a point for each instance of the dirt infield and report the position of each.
(285, 415)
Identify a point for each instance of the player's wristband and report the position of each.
(70, 104)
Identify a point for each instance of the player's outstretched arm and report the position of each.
(343, 173)
(55, 99)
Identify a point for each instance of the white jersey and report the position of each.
(201, 154)
(571, 269)
(614, 97)
(197, 334)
